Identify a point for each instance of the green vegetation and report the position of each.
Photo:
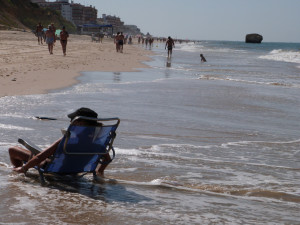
(22, 14)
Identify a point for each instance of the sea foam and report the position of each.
(12, 127)
(283, 55)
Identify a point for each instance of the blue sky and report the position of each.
(276, 20)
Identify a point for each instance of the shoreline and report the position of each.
(28, 68)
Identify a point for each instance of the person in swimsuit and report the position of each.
(50, 36)
(117, 41)
(53, 28)
(202, 58)
(20, 155)
(170, 44)
(121, 42)
(39, 33)
(64, 39)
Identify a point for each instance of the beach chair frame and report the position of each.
(108, 123)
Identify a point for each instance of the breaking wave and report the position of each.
(283, 55)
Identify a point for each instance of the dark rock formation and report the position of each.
(254, 38)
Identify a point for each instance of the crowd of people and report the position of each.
(169, 44)
(147, 41)
(48, 35)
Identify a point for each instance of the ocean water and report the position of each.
(198, 143)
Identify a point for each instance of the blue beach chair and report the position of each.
(82, 147)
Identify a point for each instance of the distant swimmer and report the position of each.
(170, 43)
(202, 58)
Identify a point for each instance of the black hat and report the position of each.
(83, 112)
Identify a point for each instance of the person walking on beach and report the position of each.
(39, 33)
(130, 40)
(117, 41)
(121, 41)
(53, 27)
(50, 36)
(170, 44)
(101, 36)
(202, 58)
(64, 39)
(53, 30)
(20, 155)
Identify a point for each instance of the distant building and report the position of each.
(87, 15)
(66, 12)
(75, 13)
(132, 29)
(118, 25)
(116, 22)
(83, 14)
(90, 15)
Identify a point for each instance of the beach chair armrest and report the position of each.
(113, 153)
(31, 147)
(112, 158)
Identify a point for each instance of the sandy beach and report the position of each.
(27, 67)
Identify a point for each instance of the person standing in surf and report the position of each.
(202, 58)
(170, 44)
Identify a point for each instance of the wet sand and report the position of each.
(27, 67)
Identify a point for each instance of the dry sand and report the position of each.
(28, 68)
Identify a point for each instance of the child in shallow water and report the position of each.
(202, 58)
